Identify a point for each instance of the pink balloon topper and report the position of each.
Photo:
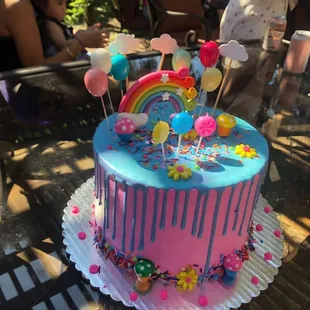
(96, 82)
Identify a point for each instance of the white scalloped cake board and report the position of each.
(111, 282)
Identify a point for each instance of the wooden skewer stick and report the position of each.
(162, 59)
(105, 114)
(127, 83)
(222, 88)
(163, 150)
(110, 100)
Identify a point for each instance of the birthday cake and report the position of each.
(175, 191)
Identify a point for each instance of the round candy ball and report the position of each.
(120, 67)
(101, 59)
(182, 123)
(181, 58)
(211, 79)
(124, 128)
(96, 82)
(205, 125)
(209, 54)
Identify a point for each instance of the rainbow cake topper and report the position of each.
(175, 87)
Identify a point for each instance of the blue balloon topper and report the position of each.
(182, 123)
(120, 67)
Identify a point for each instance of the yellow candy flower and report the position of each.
(179, 171)
(245, 151)
(187, 279)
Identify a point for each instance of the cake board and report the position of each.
(119, 285)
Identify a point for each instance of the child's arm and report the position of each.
(56, 34)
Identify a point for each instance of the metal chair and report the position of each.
(190, 19)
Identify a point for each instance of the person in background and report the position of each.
(22, 46)
(54, 33)
(245, 20)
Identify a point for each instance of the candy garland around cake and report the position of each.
(190, 276)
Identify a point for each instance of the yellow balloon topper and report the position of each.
(160, 132)
(211, 79)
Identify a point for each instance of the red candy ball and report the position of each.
(255, 280)
(75, 209)
(259, 227)
(203, 301)
(277, 233)
(268, 256)
(209, 54)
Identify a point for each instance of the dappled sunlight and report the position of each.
(62, 169)
(16, 202)
(84, 164)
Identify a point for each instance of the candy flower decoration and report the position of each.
(225, 123)
(179, 171)
(144, 270)
(245, 151)
(181, 58)
(160, 135)
(205, 127)
(191, 135)
(181, 124)
(124, 129)
(187, 279)
(96, 82)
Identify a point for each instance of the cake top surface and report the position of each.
(220, 161)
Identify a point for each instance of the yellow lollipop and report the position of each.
(160, 135)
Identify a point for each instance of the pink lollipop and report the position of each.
(205, 127)
(124, 128)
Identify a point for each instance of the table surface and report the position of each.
(50, 162)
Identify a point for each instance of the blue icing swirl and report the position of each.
(140, 162)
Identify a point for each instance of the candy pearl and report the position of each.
(268, 256)
(259, 227)
(81, 235)
(93, 269)
(267, 209)
(75, 209)
(203, 301)
(180, 169)
(163, 295)
(277, 233)
(255, 280)
(246, 149)
(133, 296)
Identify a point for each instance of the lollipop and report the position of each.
(181, 124)
(124, 128)
(205, 127)
(160, 135)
